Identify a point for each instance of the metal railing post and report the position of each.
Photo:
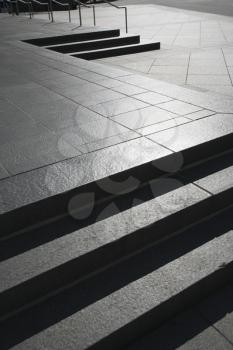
(80, 15)
(60, 4)
(79, 3)
(17, 7)
(47, 4)
(120, 8)
(51, 10)
(126, 20)
(49, 13)
(94, 15)
(32, 13)
(69, 13)
(30, 9)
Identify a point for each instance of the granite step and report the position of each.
(70, 38)
(213, 140)
(84, 209)
(128, 300)
(96, 44)
(51, 266)
(118, 51)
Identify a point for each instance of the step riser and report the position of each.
(118, 52)
(95, 45)
(39, 213)
(76, 269)
(64, 39)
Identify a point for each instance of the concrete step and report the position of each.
(120, 304)
(96, 44)
(51, 266)
(213, 140)
(122, 50)
(70, 38)
(19, 242)
(163, 250)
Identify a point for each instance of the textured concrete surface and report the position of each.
(196, 46)
(192, 134)
(192, 330)
(37, 261)
(136, 299)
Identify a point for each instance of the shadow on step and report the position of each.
(17, 244)
(70, 301)
(193, 326)
(20, 243)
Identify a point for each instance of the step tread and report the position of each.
(218, 181)
(34, 262)
(128, 312)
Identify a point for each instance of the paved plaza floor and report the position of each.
(61, 101)
(196, 51)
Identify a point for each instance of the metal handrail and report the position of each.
(16, 2)
(120, 8)
(11, 9)
(80, 13)
(61, 4)
(28, 3)
(41, 4)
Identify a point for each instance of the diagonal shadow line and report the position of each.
(44, 234)
(70, 301)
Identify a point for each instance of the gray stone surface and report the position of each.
(188, 331)
(192, 134)
(64, 113)
(179, 107)
(218, 181)
(210, 101)
(112, 108)
(143, 117)
(137, 298)
(34, 151)
(128, 89)
(89, 132)
(42, 183)
(48, 256)
(153, 98)
(171, 123)
(200, 114)
(46, 98)
(3, 172)
(218, 310)
(109, 141)
(97, 97)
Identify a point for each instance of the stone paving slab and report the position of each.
(196, 46)
(194, 133)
